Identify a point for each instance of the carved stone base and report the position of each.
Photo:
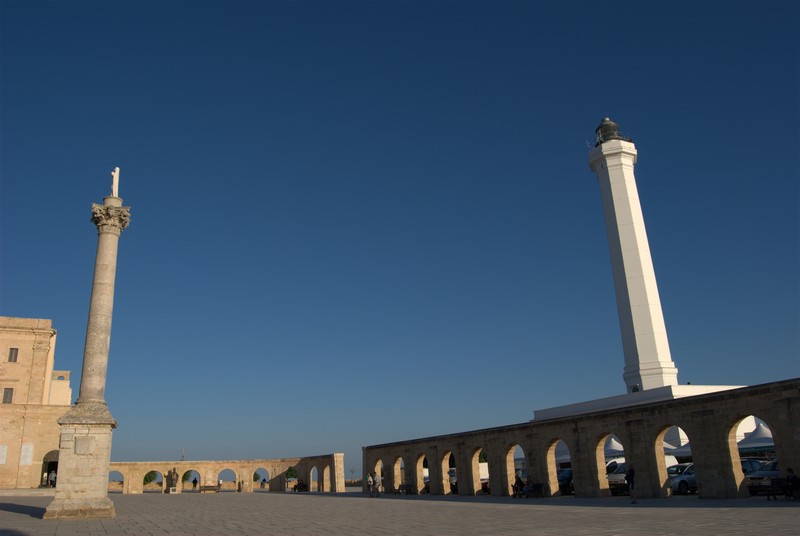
(83, 459)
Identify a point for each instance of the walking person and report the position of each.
(630, 478)
(370, 484)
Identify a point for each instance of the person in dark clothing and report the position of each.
(630, 478)
(792, 484)
(517, 487)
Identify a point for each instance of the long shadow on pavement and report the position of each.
(26, 509)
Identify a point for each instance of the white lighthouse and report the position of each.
(648, 363)
(649, 374)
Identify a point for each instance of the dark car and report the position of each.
(760, 481)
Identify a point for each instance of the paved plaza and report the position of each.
(352, 513)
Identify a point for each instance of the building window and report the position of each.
(12, 355)
(8, 395)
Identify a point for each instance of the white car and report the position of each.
(616, 480)
(682, 478)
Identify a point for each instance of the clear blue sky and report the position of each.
(363, 222)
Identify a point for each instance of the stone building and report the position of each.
(35, 396)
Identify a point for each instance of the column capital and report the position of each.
(110, 218)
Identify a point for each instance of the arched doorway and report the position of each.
(449, 474)
(560, 478)
(399, 474)
(611, 465)
(152, 482)
(677, 474)
(754, 452)
(191, 481)
(50, 469)
(480, 472)
(227, 480)
(423, 475)
(378, 477)
(313, 479)
(261, 479)
(116, 482)
(516, 473)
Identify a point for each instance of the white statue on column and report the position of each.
(115, 182)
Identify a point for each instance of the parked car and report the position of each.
(751, 464)
(616, 480)
(682, 478)
(613, 463)
(760, 481)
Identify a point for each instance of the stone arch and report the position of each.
(398, 472)
(116, 482)
(557, 457)
(262, 484)
(313, 479)
(664, 459)
(380, 475)
(422, 475)
(229, 478)
(515, 466)
(604, 467)
(449, 472)
(153, 481)
(751, 435)
(479, 471)
(187, 480)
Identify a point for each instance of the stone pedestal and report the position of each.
(84, 457)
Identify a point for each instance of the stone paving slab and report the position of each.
(245, 514)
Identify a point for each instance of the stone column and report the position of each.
(85, 445)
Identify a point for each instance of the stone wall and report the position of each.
(28, 433)
(330, 471)
(710, 421)
(29, 430)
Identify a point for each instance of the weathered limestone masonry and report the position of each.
(85, 447)
(709, 420)
(35, 396)
(330, 471)
(28, 434)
